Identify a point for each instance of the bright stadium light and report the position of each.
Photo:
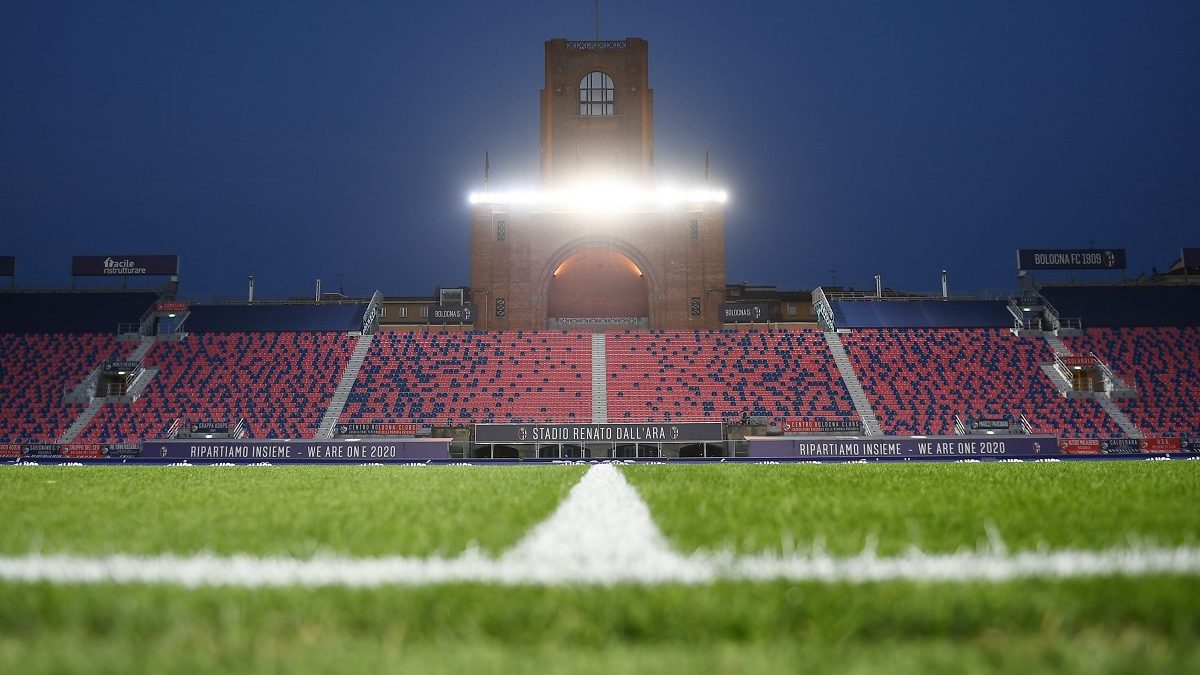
(601, 197)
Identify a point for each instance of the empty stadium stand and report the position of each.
(276, 366)
(474, 377)
(35, 370)
(278, 382)
(918, 379)
(1162, 364)
(50, 342)
(777, 374)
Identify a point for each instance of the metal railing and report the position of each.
(143, 325)
(1022, 322)
(1057, 321)
(596, 44)
(371, 316)
(88, 387)
(896, 295)
(1064, 370)
(822, 308)
(1112, 383)
(322, 301)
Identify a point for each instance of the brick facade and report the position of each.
(516, 249)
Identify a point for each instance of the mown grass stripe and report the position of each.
(602, 533)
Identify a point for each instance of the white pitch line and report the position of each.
(601, 534)
(603, 525)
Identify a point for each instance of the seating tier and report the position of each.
(918, 379)
(474, 377)
(280, 383)
(1162, 364)
(695, 375)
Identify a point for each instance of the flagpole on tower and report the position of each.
(487, 169)
(597, 5)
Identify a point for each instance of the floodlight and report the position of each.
(601, 197)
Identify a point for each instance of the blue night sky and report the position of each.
(293, 140)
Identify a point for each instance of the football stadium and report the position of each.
(602, 455)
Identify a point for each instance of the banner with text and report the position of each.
(1123, 446)
(299, 451)
(1158, 444)
(120, 367)
(378, 429)
(821, 426)
(989, 423)
(1079, 446)
(681, 432)
(124, 265)
(441, 315)
(100, 450)
(208, 427)
(71, 450)
(8, 265)
(933, 447)
(745, 312)
(170, 307)
(1120, 446)
(35, 450)
(1070, 259)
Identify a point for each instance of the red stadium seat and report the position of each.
(280, 383)
(36, 368)
(473, 377)
(1162, 364)
(918, 379)
(694, 375)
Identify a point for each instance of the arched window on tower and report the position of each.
(596, 95)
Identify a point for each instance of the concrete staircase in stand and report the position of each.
(80, 423)
(345, 385)
(599, 379)
(1119, 416)
(1105, 400)
(1056, 344)
(94, 405)
(853, 385)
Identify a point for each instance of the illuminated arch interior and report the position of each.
(598, 283)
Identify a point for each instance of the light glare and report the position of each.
(601, 198)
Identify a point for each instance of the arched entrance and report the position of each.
(597, 288)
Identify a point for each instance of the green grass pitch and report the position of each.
(1114, 624)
